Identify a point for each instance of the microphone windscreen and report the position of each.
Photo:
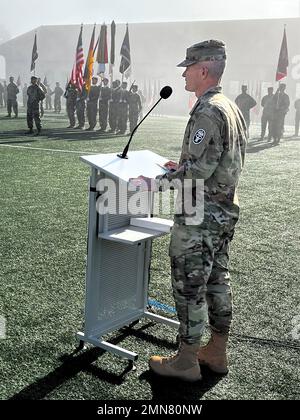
(166, 92)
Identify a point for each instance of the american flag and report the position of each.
(77, 73)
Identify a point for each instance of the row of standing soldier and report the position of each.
(115, 105)
(275, 107)
(8, 96)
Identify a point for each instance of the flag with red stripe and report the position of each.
(283, 61)
(77, 74)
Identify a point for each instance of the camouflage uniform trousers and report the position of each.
(266, 119)
(133, 118)
(12, 104)
(80, 112)
(33, 113)
(48, 102)
(113, 115)
(297, 120)
(277, 125)
(57, 104)
(103, 112)
(201, 280)
(91, 109)
(71, 108)
(122, 117)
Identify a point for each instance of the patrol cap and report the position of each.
(33, 78)
(211, 50)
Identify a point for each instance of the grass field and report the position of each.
(42, 267)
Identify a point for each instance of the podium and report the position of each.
(119, 247)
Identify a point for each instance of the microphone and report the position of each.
(165, 92)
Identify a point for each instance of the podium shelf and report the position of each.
(130, 235)
(153, 223)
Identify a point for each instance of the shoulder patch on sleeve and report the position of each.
(199, 136)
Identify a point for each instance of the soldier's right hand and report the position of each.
(170, 165)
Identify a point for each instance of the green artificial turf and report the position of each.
(43, 229)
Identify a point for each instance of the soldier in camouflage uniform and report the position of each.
(281, 103)
(113, 114)
(58, 93)
(267, 114)
(48, 98)
(24, 95)
(92, 104)
(245, 102)
(44, 89)
(71, 97)
(80, 108)
(12, 103)
(1, 95)
(5, 94)
(213, 150)
(35, 96)
(297, 116)
(123, 109)
(105, 97)
(135, 107)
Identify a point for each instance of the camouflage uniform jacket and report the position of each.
(35, 95)
(105, 94)
(135, 104)
(213, 150)
(12, 91)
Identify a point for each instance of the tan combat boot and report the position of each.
(184, 365)
(213, 354)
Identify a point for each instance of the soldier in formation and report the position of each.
(44, 89)
(80, 108)
(24, 95)
(58, 92)
(92, 104)
(12, 103)
(267, 114)
(104, 99)
(281, 103)
(5, 94)
(122, 117)
(35, 96)
(1, 95)
(71, 98)
(245, 102)
(48, 100)
(114, 106)
(297, 116)
(135, 107)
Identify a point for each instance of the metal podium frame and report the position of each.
(110, 302)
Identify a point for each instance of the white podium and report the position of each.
(119, 248)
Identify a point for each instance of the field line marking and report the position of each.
(47, 150)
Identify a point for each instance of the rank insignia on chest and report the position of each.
(199, 136)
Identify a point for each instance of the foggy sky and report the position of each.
(18, 16)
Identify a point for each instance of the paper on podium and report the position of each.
(155, 223)
(143, 162)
